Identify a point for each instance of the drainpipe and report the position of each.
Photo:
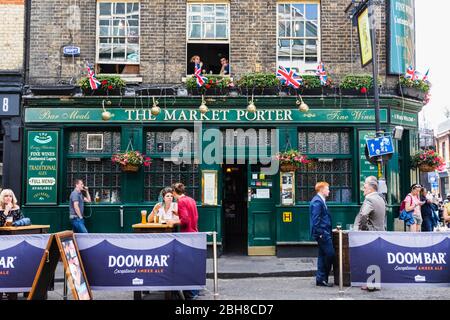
(26, 42)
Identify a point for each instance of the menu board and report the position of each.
(42, 167)
(209, 183)
(287, 188)
(365, 167)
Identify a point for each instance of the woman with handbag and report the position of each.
(413, 204)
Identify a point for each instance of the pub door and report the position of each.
(234, 204)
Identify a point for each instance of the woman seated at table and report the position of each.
(166, 210)
(9, 208)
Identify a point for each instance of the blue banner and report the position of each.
(20, 256)
(400, 258)
(156, 261)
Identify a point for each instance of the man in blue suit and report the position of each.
(320, 222)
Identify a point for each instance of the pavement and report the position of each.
(268, 278)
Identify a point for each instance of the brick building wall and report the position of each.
(11, 35)
(252, 46)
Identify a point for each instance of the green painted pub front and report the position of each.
(66, 138)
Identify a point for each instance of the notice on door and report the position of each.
(42, 167)
(263, 193)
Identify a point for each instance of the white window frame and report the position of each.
(97, 38)
(200, 40)
(304, 67)
(88, 140)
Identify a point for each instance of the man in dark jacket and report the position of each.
(320, 222)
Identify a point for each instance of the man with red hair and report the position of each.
(320, 224)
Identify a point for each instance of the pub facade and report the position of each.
(255, 211)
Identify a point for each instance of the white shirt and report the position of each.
(323, 199)
(167, 215)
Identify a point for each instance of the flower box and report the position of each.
(411, 92)
(103, 92)
(259, 91)
(427, 160)
(287, 167)
(60, 90)
(356, 92)
(130, 161)
(208, 92)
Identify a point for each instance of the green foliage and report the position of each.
(357, 82)
(293, 157)
(258, 80)
(421, 85)
(107, 82)
(131, 157)
(312, 82)
(220, 82)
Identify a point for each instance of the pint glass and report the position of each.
(143, 216)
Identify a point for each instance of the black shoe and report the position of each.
(323, 284)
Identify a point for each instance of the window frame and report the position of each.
(97, 36)
(90, 154)
(334, 156)
(208, 40)
(303, 67)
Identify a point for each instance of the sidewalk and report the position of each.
(233, 267)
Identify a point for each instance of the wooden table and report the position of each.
(31, 229)
(153, 228)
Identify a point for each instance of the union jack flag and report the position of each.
(322, 74)
(411, 73)
(425, 77)
(201, 80)
(289, 77)
(93, 82)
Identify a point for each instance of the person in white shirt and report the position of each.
(166, 210)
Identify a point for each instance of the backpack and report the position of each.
(403, 203)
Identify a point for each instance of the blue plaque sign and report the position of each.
(71, 51)
(380, 146)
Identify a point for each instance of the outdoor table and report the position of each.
(31, 229)
(153, 228)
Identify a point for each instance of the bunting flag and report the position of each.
(425, 77)
(322, 74)
(93, 82)
(201, 80)
(288, 77)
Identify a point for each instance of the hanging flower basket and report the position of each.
(131, 161)
(426, 168)
(291, 160)
(427, 161)
(129, 168)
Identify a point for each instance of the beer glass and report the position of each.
(9, 221)
(143, 216)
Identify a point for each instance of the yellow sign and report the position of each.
(287, 216)
(365, 40)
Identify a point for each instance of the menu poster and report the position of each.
(287, 188)
(42, 167)
(263, 193)
(209, 183)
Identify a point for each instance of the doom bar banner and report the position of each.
(144, 261)
(20, 256)
(400, 258)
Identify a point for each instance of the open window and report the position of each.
(208, 36)
(118, 37)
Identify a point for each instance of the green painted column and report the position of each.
(132, 183)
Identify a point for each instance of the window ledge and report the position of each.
(128, 78)
(183, 79)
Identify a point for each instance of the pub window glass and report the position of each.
(336, 169)
(94, 167)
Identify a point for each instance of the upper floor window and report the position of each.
(208, 21)
(118, 36)
(298, 36)
(208, 37)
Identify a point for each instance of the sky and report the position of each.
(432, 51)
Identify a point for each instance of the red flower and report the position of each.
(363, 90)
(210, 81)
(104, 82)
(110, 87)
(208, 86)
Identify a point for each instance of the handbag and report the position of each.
(407, 216)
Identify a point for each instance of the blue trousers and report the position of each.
(78, 225)
(427, 224)
(325, 259)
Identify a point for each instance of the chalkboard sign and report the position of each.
(62, 245)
